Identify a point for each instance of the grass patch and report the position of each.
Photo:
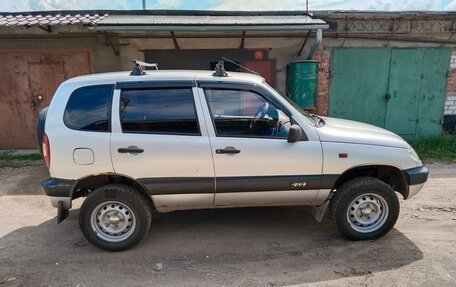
(8, 159)
(9, 156)
(33, 156)
(438, 148)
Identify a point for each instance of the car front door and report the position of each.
(254, 163)
(159, 139)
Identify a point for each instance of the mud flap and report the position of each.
(319, 211)
(62, 212)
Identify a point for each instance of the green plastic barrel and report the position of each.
(303, 83)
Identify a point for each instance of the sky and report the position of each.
(379, 5)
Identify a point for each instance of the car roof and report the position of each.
(164, 75)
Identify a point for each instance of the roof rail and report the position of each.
(220, 70)
(138, 68)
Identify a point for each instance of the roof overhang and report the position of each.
(209, 23)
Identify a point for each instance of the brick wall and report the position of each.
(450, 103)
(324, 57)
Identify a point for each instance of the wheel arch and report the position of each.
(85, 185)
(393, 176)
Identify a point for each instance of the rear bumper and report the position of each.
(416, 177)
(58, 190)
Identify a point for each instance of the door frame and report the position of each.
(168, 193)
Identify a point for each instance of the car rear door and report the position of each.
(159, 139)
(254, 163)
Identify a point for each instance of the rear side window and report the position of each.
(89, 109)
(162, 111)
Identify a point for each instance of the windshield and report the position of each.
(298, 108)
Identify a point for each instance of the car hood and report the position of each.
(346, 131)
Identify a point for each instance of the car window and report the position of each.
(89, 109)
(244, 113)
(166, 111)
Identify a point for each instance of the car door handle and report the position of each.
(228, 149)
(130, 150)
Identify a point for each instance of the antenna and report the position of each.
(239, 65)
(138, 71)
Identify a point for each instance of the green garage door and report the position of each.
(399, 89)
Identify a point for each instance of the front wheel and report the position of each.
(115, 217)
(364, 208)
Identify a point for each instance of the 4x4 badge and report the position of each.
(299, 184)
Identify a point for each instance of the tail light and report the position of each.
(46, 151)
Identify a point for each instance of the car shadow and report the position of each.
(242, 247)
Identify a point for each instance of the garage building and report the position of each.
(394, 70)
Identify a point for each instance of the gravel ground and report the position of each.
(228, 247)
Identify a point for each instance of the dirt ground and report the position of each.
(231, 247)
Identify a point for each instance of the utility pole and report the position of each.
(144, 4)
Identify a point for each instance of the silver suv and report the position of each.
(174, 140)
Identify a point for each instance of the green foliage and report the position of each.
(8, 159)
(437, 148)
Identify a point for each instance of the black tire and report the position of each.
(348, 205)
(39, 129)
(124, 198)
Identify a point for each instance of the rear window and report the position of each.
(89, 109)
(162, 111)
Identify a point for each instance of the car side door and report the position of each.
(254, 163)
(160, 140)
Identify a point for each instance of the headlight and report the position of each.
(414, 155)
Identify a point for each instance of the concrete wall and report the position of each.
(103, 58)
(62, 38)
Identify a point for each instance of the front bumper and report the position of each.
(58, 190)
(416, 177)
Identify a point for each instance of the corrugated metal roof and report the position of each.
(28, 20)
(209, 22)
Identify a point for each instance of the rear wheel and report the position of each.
(364, 208)
(115, 217)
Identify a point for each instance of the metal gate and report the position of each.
(28, 81)
(402, 90)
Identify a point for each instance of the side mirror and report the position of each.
(295, 134)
